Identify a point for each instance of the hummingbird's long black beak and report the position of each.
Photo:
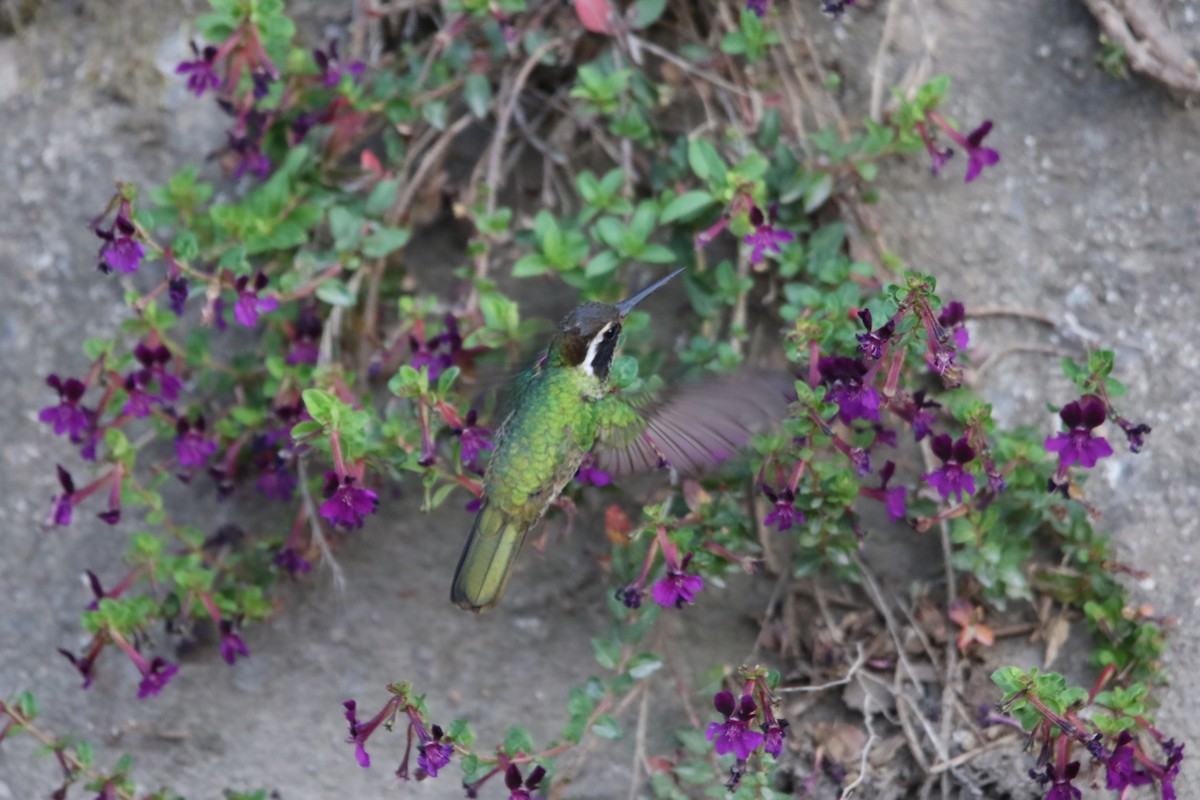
(625, 306)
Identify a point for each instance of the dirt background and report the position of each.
(1091, 218)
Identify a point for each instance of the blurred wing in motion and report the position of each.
(691, 427)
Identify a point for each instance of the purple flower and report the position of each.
(177, 294)
(68, 416)
(922, 416)
(438, 353)
(591, 475)
(519, 790)
(249, 305)
(201, 72)
(631, 596)
(896, 502)
(1170, 769)
(677, 587)
(784, 515)
(734, 735)
(473, 441)
(120, 250)
(277, 483)
(123, 254)
(331, 66)
(251, 158)
(759, 7)
(1120, 769)
(289, 559)
(872, 343)
(155, 676)
(347, 504)
(192, 447)
(1077, 445)
(87, 663)
(937, 156)
(139, 382)
(1062, 788)
(358, 735)
(774, 734)
(306, 338)
(63, 503)
(835, 8)
(232, 645)
(843, 377)
(765, 237)
(951, 478)
(979, 156)
(953, 319)
(896, 498)
(433, 752)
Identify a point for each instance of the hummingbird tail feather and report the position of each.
(487, 561)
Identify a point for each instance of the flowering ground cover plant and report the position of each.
(278, 342)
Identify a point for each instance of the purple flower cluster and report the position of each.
(1077, 445)
(152, 382)
(677, 588)
(784, 515)
(978, 156)
(438, 353)
(735, 734)
(591, 475)
(68, 416)
(332, 68)
(201, 71)
(120, 251)
(843, 378)
(952, 478)
(192, 447)
(249, 305)
(766, 238)
(522, 789)
(347, 504)
(473, 440)
(874, 342)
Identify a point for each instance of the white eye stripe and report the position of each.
(594, 348)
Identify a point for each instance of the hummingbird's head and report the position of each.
(587, 336)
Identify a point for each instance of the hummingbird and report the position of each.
(563, 408)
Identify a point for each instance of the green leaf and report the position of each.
(656, 254)
(647, 12)
(611, 231)
(434, 113)
(529, 265)
(606, 727)
(346, 228)
(335, 293)
(818, 192)
(705, 161)
(686, 206)
(518, 740)
(321, 405)
(643, 665)
(602, 263)
(477, 91)
(185, 246)
(382, 197)
(608, 652)
(385, 241)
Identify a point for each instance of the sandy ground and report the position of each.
(1092, 218)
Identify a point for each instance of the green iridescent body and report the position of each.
(539, 447)
(563, 409)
